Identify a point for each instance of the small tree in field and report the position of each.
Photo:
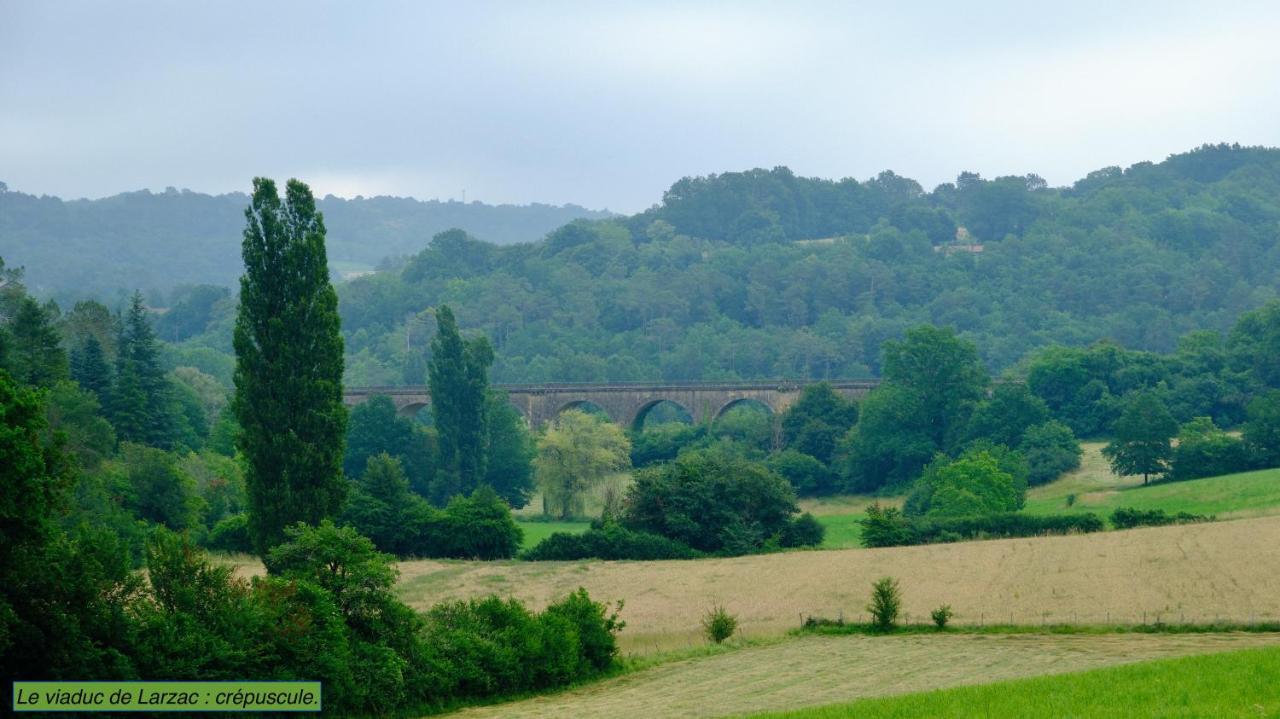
(576, 453)
(1143, 438)
(718, 624)
(886, 602)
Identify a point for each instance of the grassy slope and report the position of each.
(535, 532)
(1096, 489)
(817, 671)
(1232, 684)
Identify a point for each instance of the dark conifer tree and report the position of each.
(90, 370)
(141, 402)
(35, 354)
(288, 376)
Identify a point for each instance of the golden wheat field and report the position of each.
(813, 671)
(1187, 573)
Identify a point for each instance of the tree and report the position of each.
(159, 491)
(76, 414)
(90, 370)
(711, 501)
(458, 379)
(809, 476)
(288, 376)
(575, 454)
(374, 427)
(35, 355)
(141, 408)
(1262, 429)
(1007, 414)
(944, 374)
(1050, 450)
(886, 602)
(979, 482)
(1205, 451)
(1143, 438)
(509, 468)
(817, 420)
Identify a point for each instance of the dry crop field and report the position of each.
(814, 671)
(1187, 573)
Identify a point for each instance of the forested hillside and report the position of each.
(143, 240)
(766, 274)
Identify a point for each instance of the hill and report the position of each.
(154, 241)
(722, 280)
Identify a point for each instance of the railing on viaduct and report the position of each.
(626, 403)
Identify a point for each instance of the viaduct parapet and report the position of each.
(626, 403)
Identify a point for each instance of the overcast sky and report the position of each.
(606, 104)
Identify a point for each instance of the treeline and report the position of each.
(763, 274)
(79, 249)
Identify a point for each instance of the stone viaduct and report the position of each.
(625, 403)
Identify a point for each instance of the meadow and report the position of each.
(1186, 573)
(1230, 684)
(819, 671)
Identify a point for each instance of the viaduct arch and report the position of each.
(624, 402)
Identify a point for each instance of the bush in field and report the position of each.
(889, 527)
(718, 624)
(886, 602)
(610, 540)
(809, 477)
(941, 616)
(1128, 517)
(1050, 449)
(1203, 450)
(711, 501)
(803, 531)
(985, 479)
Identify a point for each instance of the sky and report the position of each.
(605, 104)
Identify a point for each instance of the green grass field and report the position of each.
(1232, 495)
(1231, 684)
(535, 532)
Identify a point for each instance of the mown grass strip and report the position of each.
(1232, 684)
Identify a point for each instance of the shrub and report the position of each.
(888, 527)
(718, 624)
(1203, 450)
(231, 534)
(886, 601)
(985, 479)
(803, 531)
(608, 541)
(1050, 449)
(1128, 517)
(710, 501)
(941, 616)
(809, 476)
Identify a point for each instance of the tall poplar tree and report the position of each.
(458, 376)
(288, 376)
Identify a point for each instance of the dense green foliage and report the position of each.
(983, 480)
(886, 602)
(719, 282)
(288, 374)
(1203, 450)
(712, 502)
(608, 540)
(889, 527)
(576, 453)
(1128, 518)
(398, 521)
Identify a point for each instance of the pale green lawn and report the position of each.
(535, 532)
(1231, 684)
